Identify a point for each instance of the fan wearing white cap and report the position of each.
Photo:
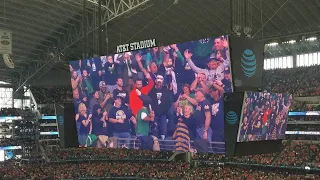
(161, 102)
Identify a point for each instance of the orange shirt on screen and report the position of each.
(135, 102)
(266, 115)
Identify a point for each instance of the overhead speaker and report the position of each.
(8, 61)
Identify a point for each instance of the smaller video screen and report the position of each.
(264, 116)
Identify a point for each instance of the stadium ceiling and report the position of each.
(47, 33)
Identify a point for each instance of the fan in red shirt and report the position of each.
(266, 115)
(135, 102)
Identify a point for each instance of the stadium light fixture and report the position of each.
(292, 41)
(311, 39)
(273, 44)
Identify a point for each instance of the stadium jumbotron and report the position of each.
(159, 89)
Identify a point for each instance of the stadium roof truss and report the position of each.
(48, 33)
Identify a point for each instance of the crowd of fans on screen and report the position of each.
(301, 81)
(101, 162)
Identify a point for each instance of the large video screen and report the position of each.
(264, 116)
(167, 98)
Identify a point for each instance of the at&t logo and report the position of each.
(248, 63)
(231, 117)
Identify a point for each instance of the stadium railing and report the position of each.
(169, 145)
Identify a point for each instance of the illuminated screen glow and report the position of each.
(10, 147)
(264, 116)
(107, 103)
(2, 156)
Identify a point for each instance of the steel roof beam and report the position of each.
(49, 11)
(66, 10)
(279, 17)
(25, 45)
(21, 37)
(258, 19)
(41, 28)
(69, 39)
(198, 29)
(270, 20)
(26, 13)
(26, 28)
(186, 29)
(314, 13)
(300, 14)
(216, 14)
(23, 51)
(79, 3)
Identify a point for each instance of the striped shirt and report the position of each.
(182, 136)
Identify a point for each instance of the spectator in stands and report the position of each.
(94, 66)
(99, 125)
(75, 66)
(215, 72)
(144, 115)
(152, 68)
(105, 97)
(185, 128)
(85, 124)
(186, 98)
(226, 82)
(161, 101)
(121, 92)
(203, 116)
(95, 100)
(86, 84)
(77, 100)
(111, 73)
(154, 55)
(75, 82)
(215, 98)
(135, 103)
(128, 66)
(130, 85)
(121, 117)
(200, 82)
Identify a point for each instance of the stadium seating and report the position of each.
(300, 81)
(9, 112)
(90, 163)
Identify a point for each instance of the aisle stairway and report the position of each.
(43, 153)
